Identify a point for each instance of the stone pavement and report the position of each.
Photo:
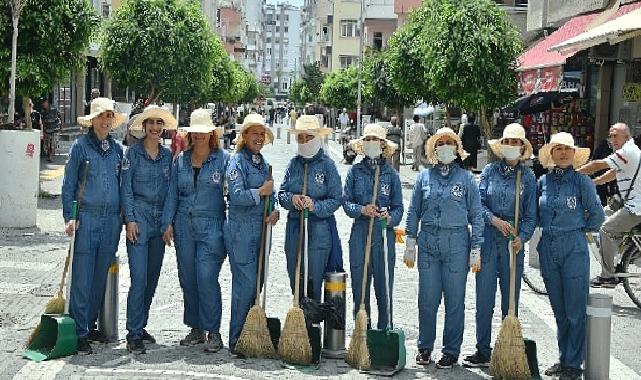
(31, 262)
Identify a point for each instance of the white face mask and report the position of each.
(446, 153)
(511, 152)
(372, 149)
(310, 148)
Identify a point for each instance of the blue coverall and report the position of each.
(496, 188)
(444, 202)
(98, 233)
(568, 208)
(196, 209)
(357, 192)
(245, 174)
(143, 191)
(324, 187)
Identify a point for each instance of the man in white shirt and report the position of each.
(418, 135)
(343, 119)
(623, 167)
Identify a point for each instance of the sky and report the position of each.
(292, 2)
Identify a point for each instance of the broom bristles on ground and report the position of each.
(293, 346)
(509, 360)
(357, 354)
(254, 341)
(56, 305)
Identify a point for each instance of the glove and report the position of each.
(475, 260)
(410, 252)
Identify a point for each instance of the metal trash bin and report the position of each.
(108, 318)
(597, 337)
(333, 335)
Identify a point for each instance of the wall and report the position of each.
(344, 9)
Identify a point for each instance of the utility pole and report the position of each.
(361, 27)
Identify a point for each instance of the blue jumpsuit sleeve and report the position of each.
(416, 207)
(595, 214)
(285, 196)
(483, 185)
(396, 201)
(71, 179)
(528, 203)
(326, 207)
(351, 208)
(171, 202)
(126, 189)
(238, 194)
(475, 211)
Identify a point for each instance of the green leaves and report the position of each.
(340, 89)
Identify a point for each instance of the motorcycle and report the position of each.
(347, 134)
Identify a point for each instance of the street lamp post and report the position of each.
(360, 71)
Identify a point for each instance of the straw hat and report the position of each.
(308, 124)
(512, 131)
(254, 119)
(581, 155)
(154, 112)
(378, 131)
(430, 144)
(98, 106)
(200, 122)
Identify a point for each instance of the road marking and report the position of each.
(51, 174)
(47, 370)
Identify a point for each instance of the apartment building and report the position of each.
(282, 46)
(253, 16)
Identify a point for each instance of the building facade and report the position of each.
(282, 46)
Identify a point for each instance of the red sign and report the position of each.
(527, 79)
(266, 79)
(30, 150)
(549, 79)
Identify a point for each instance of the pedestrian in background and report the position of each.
(357, 204)
(395, 135)
(470, 134)
(568, 208)
(145, 181)
(249, 182)
(418, 136)
(194, 214)
(445, 200)
(497, 188)
(99, 225)
(52, 123)
(322, 199)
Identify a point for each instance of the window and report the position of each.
(268, 39)
(277, 17)
(378, 40)
(277, 29)
(269, 51)
(286, 17)
(286, 29)
(285, 85)
(347, 61)
(325, 33)
(349, 28)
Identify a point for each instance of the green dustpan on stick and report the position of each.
(386, 347)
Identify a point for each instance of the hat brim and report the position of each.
(119, 119)
(388, 151)
(430, 148)
(269, 135)
(202, 128)
(155, 113)
(317, 131)
(581, 155)
(495, 145)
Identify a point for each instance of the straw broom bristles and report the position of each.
(358, 354)
(293, 346)
(509, 360)
(254, 341)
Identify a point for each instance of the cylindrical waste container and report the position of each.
(108, 318)
(334, 333)
(597, 337)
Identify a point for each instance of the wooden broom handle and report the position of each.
(517, 206)
(300, 242)
(368, 243)
(263, 230)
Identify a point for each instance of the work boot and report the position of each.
(571, 374)
(96, 336)
(213, 342)
(195, 336)
(136, 346)
(478, 360)
(556, 369)
(84, 347)
(147, 337)
(424, 357)
(447, 361)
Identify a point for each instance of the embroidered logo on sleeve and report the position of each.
(457, 190)
(319, 178)
(233, 175)
(571, 202)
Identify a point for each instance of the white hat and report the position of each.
(252, 120)
(430, 144)
(581, 155)
(154, 112)
(309, 124)
(378, 131)
(98, 106)
(512, 131)
(200, 122)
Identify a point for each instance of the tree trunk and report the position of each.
(27, 112)
(15, 16)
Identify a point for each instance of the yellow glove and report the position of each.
(399, 232)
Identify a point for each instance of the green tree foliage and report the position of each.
(299, 93)
(377, 83)
(222, 75)
(340, 89)
(252, 91)
(53, 35)
(161, 48)
(313, 78)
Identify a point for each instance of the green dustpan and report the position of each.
(57, 338)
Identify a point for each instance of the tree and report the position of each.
(252, 90)
(377, 83)
(339, 89)
(313, 78)
(299, 93)
(160, 48)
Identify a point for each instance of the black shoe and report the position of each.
(556, 369)
(195, 336)
(604, 282)
(477, 360)
(147, 337)
(136, 346)
(213, 342)
(97, 336)
(424, 357)
(84, 347)
(447, 361)
(571, 374)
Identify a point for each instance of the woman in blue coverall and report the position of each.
(357, 203)
(249, 183)
(444, 202)
(194, 213)
(568, 208)
(143, 190)
(323, 198)
(99, 226)
(498, 181)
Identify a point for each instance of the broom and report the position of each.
(509, 360)
(255, 341)
(56, 304)
(294, 346)
(357, 354)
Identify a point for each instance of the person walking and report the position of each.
(497, 189)
(143, 190)
(322, 199)
(418, 136)
(193, 216)
(52, 123)
(98, 226)
(395, 135)
(249, 182)
(357, 204)
(445, 200)
(343, 119)
(568, 208)
(470, 137)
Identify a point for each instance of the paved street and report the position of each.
(31, 262)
